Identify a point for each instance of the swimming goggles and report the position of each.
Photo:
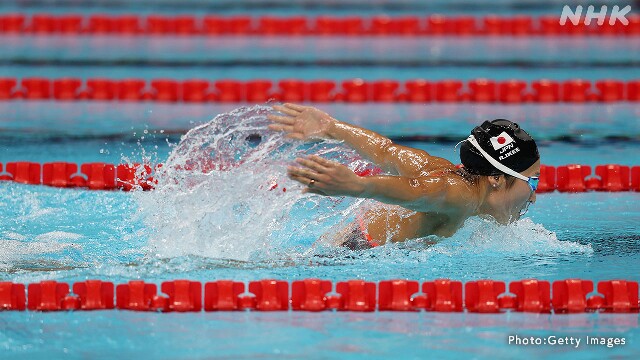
(532, 181)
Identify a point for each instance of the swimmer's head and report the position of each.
(505, 142)
(503, 152)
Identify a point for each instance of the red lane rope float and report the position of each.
(296, 90)
(102, 176)
(440, 295)
(213, 25)
(94, 176)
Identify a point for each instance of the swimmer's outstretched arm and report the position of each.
(306, 123)
(423, 194)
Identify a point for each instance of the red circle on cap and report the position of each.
(501, 140)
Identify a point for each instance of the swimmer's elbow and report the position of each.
(387, 149)
(387, 155)
(387, 146)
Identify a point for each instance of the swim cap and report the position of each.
(503, 140)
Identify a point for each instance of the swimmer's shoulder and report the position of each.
(461, 189)
(445, 170)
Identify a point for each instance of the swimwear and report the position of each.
(359, 238)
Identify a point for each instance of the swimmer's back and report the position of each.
(399, 224)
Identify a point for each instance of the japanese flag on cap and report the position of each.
(501, 141)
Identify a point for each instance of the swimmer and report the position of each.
(498, 177)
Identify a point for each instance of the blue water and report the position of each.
(302, 50)
(73, 235)
(215, 227)
(97, 237)
(157, 146)
(317, 335)
(451, 121)
(314, 71)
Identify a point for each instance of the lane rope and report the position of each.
(296, 90)
(325, 25)
(440, 295)
(572, 178)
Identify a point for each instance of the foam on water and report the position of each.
(223, 193)
(479, 240)
(58, 236)
(16, 247)
(523, 237)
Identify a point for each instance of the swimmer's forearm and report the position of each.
(367, 143)
(397, 190)
(380, 150)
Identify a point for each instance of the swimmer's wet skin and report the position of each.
(501, 166)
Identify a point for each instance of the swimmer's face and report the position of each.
(519, 196)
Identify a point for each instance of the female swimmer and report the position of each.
(498, 177)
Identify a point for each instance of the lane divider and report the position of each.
(213, 25)
(296, 90)
(93, 176)
(102, 176)
(440, 295)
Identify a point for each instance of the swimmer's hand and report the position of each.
(329, 177)
(301, 122)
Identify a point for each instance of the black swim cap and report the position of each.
(505, 141)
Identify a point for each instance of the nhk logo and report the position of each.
(617, 14)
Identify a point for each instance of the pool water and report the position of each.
(225, 225)
(71, 235)
(309, 335)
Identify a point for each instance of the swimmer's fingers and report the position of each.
(312, 164)
(286, 110)
(296, 136)
(311, 186)
(314, 187)
(323, 162)
(286, 124)
(281, 127)
(296, 107)
(301, 179)
(302, 172)
(286, 128)
(286, 120)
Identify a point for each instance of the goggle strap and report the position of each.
(495, 162)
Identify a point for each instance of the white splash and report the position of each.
(523, 237)
(223, 192)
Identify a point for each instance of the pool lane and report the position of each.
(303, 50)
(578, 122)
(321, 71)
